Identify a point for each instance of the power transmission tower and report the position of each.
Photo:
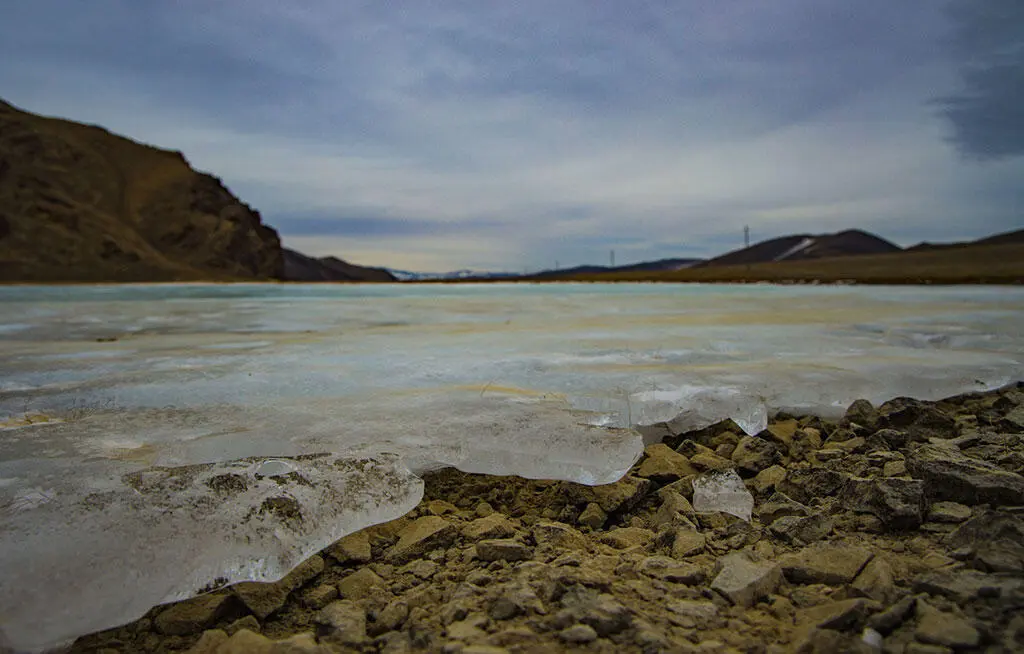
(746, 236)
(612, 258)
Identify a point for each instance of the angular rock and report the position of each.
(825, 564)
(863, 413)
(578, 634)
(767, 479)
(320, 596)
(515, 599)
(995, 540)
(890, 619)
(782, 432)
(193, 615)
(391, 616)
(876, 581)
(699, 612)
(674, 510)
(687, 542)
(668, 569)
(623, 495)
(949, 512)
(593, 516)
(950, 475)
(359, 584)
(941, 628)
(663, 465)
(754, 454)
(342, 622)
(627, 537)
(248, 622)
(495, 525)
(246, 642)
(209, 642)
(921, 420)
(605, 614)
(966, 585)
(898, 503)
(421, 536)
(502, 549)
(779, 505)
(894, 469)
(354, 548)
(440, 507)
(808, 484)
(841, 616)
(743, 582)
(801, 530)
(264, 599)
(558, 534)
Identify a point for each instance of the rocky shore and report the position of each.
(899, 528)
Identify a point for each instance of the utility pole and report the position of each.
(611, 258)
(746, 236)
(556, 264)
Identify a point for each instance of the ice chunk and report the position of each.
(73, 563)
(722, 491)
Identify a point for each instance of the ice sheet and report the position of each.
(120, 404)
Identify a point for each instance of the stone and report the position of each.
(695, 613)
(767, 479)
(894, 468)
(483, 649)
(440, 507)
(861, 412)
(950, 512)
(265, 599)
(483, 509)
(687, 542)
(921, 648)
(392, 616)
(494, 525)
(937, 627)
(502, 549)
(668, 569)
(674, 510)
(515, 599)
(893, 617)
(354, 548)
(782, 432)
(805, 485)
(623, 495)
(994, 540)
(304, 643)
(965, 585)
(743, 582)
(825, 564)
(421, 569)
(876, 581)
(663, 465)
(421, 536)
(801, 530)
(780, 505)
(208, 643)
(343, 622)
(360, 584)
(898, 503)
(192, 616)
(754, 454)
(559, 535)
(246, 642)
(921, 420)
(711, 461)
(248, 622)
(842, 615)
(592, 516)
(950, 475)
(627, 537)
(578, 634)
(605, 614)
(320, 596)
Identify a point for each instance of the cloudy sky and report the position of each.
(508, 135)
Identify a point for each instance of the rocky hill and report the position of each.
(802, 247)
(78, 203)
(300, 268)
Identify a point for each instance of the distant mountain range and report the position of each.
(78, 203)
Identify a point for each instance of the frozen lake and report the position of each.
(139, 424)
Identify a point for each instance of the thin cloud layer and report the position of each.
(511, 136)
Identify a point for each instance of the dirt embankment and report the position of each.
(899, 529)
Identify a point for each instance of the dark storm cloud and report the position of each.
(987, 113)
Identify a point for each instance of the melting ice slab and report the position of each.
(155, 439)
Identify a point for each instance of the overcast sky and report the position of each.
(508, 135)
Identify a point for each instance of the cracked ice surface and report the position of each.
(231, 431)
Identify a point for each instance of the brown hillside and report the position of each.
(802, 247)
(976, 264)
(78, 203)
